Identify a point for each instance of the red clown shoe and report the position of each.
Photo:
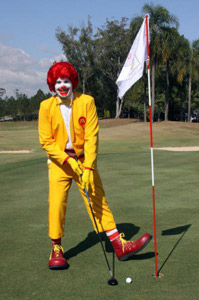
(124, 249)
(57, 260)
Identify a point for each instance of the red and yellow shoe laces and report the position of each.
(56, 248)
(122, 235)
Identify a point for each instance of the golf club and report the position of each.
(112, 280)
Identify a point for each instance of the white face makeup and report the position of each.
(63, 88)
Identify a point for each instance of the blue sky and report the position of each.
(27, 32)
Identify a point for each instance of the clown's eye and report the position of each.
(66, 81)
(59, 81)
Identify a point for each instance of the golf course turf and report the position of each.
(125, 169)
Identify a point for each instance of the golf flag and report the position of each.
(134, 64)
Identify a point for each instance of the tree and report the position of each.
(169, 49)
(193, 71)
(2, 91)
(180, 70)
(135, 99)
(2, 108)
(112, 45)
(35, 102)
(23, 104)
(160, 20)
(79, 47)
(11, 107)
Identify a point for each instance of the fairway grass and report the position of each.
(124, 165)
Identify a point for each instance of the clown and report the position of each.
(68, 132)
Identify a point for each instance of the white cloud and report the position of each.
(14, 58)
(18, 70)
(47, 62)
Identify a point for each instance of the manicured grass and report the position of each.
(124, 165)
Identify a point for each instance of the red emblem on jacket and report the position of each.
(82, 121)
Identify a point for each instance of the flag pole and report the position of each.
(151, 138)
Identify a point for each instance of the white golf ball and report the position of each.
(128, 280)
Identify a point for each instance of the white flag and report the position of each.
(134, 64)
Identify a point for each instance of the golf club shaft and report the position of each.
(89, 202)
(107, 262)
(113, 264)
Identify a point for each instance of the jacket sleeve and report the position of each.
(91, 135)
(46, 139)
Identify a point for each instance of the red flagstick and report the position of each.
(151, 137)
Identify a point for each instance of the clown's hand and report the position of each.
(86, 179)
(74, 165)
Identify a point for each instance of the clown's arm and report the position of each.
(46, 139)
(90, 142)
(49, 144)
(91, 135)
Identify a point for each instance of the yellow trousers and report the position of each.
(60, 180)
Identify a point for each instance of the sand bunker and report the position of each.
(15, 151)
(179, 149)
(175, 149)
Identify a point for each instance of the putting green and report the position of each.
(124, 165)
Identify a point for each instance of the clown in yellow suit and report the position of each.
(68, 132)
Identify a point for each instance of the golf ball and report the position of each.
(128, 280)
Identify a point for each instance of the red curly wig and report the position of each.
(62, 70)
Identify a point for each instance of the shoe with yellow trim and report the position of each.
(124, 249)
(57, 260)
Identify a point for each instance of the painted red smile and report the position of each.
(63, 91)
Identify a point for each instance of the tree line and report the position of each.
(100, 55)
(21, 107)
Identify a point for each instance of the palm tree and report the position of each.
(180, 67)
(170, 36)
(160, 21)
(193, 71)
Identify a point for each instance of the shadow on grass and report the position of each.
(147, 255)
(92, 239)
(174, 231)
(61, 268)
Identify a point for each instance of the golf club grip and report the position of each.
(86, 192)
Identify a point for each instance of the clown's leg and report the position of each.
(103, 215)
(105, 220)
(60, 181)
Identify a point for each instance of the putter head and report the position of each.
(112, 281)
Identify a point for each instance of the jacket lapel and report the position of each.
(71, 120)
(60, 120)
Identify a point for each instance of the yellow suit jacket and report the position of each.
(84, 129)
